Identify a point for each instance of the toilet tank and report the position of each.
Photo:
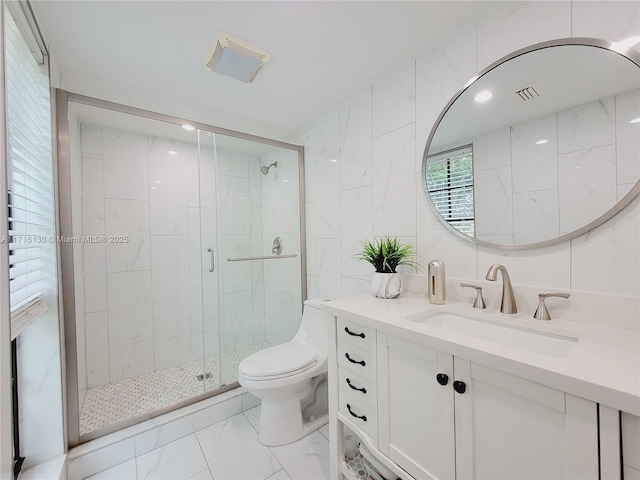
(313, 327)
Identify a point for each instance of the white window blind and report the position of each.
(31, 206)
(450, 186)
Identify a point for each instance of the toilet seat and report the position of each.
(280, 361)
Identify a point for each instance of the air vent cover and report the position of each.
(529, 92)
(235, 57)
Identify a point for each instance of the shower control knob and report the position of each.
(442, 378)
(459, 387)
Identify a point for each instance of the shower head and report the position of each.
(265, 170)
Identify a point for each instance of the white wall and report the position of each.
(40, 390)
(364, 158)
(281, 218)
(528, 193)
(240, 224)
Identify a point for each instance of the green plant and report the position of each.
(386, 253)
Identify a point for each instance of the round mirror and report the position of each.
(540, 147)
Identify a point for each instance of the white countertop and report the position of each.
(602, 366)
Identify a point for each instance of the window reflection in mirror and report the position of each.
(450, 186)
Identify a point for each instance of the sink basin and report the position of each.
(513, 336)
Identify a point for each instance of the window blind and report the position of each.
(31, 205)
(450, 186)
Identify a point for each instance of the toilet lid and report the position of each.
(278, 361)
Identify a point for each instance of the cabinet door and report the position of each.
(511, 428)
(630, 446)
(415, 412)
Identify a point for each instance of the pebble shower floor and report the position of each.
(116, 402)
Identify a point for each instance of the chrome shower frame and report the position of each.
(67, 291)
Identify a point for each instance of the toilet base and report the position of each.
(281, 422)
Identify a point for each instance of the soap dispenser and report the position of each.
(437, 282)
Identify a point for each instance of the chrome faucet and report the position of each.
(541, 312)
(508, 303)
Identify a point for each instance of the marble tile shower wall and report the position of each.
(363, 162)
(282, 293)
(142, 298)
(522, 185)
(241, 218)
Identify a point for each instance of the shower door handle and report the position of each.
(212, 264)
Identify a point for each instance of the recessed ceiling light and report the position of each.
(635, 120)
(172, 152)
(157, 181)
(483, 96)
(542, 142)
(188, 128)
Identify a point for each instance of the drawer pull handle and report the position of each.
(361, 362)
(361, 417)
(363, 390)
(442, 378)
(361, 335)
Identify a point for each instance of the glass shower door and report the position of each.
(167, 228)
(207, 275)
(253, 298)
(135, 236)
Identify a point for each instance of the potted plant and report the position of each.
(386, 254)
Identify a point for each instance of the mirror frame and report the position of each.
(614, 47)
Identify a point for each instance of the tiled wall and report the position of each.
(141, 303)
(363, 162)
(281, 218)
(241, 220)
(41, 409)
(137, 293)
(520, 184)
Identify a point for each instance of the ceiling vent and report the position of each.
(530, 92)
(235, 57)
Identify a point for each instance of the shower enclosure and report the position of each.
(182, 253)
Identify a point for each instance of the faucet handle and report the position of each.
(541, 312)
(479, 303)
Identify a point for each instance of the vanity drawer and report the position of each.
(358, 414)
(359, 387)
(356, 359)
(356, 334)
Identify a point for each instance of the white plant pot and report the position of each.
(386, 285)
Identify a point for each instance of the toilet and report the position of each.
(291, 381)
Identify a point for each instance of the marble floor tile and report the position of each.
(124, 471)
(203, 475)
(177, 460)
(232, 451)
(253, 415)
(280, 475)
(325, 431)
(306, 459)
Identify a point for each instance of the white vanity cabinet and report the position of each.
(357, 376)
(416, 407)
(630, 425)
(434, 415)
(445, 417)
